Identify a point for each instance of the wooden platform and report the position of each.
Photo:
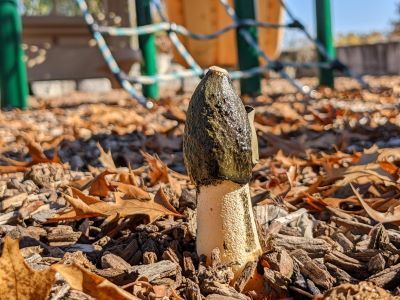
(61, 48)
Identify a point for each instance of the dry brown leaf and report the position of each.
(55, 141)
(100, 186)
(91, 284)
(289, 161)
(120, 209)
(128, 177)
(86, 198)
(106, 158)
(162, 198)
(389, 154)
(289, 147)
(81, 183)
(17, 279)
(361, 174)
(392, 215)
(374, 154)
(37, 154)
(174, 113)
(337, 202)
(389, 167)
(131, 191)
(158, 170)
(12, 169)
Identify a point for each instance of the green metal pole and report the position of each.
(248, 57)
(147, 44)
(325, 36)
(13, 81)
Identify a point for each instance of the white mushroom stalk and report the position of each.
(219, 157)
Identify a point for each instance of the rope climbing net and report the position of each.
(194, 69)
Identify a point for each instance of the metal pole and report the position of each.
(13, 81)
(247, 55)
(147, 44)
(325, 36)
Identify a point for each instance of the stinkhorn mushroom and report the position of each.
(218, 154)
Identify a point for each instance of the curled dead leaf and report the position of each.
(87, 208)
(17, 279)
(131, 191)
(35, 151)
(91, 284)
(106, 158)
(392, 215)
(158, 170)
(100, 186)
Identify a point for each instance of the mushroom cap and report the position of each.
(217, 138)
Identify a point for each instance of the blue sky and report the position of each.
(349, 15)
(359, 16)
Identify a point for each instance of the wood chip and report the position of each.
(314, 247)
(245, 276)
(62, 235)
(388, 278)
(312, 270)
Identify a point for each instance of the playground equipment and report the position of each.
(249, 50)
(13, 82)
(324, 35)
(208, 16)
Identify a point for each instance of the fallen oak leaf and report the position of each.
(56, 141)
(338, 202)
(389, 167)
(361, 174)
(129, 207)
(14, 162)
(86, 198)
(162, 198)
(392, 215)
(158, 170)
(374, 154)
(36, 153)
(17, 279)
(131, 191)
(120, 209)
(100, 186)
(80, 210)
(106, 158)
(176, 114)
(81, 183)
(91, 284)
(12, 169)
(128, 177)
(288, 147)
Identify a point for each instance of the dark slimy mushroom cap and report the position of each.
(217, 138)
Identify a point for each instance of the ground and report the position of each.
(326, 182)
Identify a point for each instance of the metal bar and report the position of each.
(13, 80)
(248, 73)
(108, 57)
(325, 37)
(167, 26)
(147, 44)
(250, 40)
(176, 42)
(248, 57)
